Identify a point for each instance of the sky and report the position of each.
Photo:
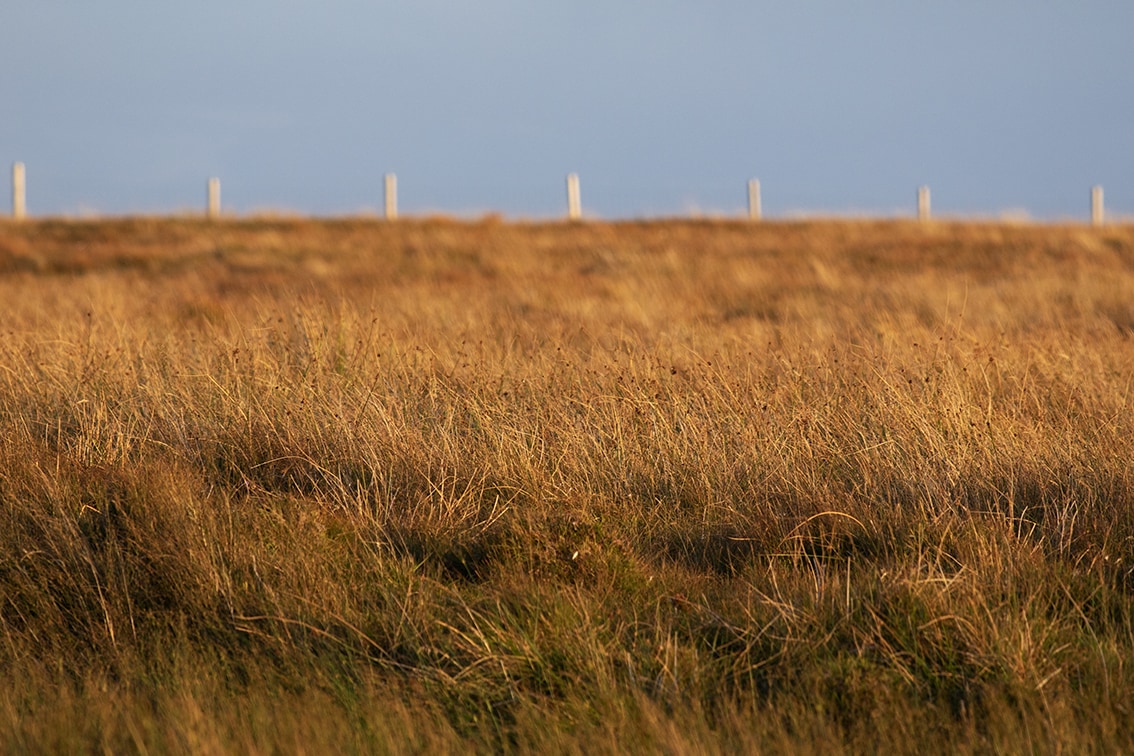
(1001, 107)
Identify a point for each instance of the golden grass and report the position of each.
(682, 486)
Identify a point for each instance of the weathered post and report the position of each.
(574, 206)
(754, 210)
(1097, 213)
(923, 203)
(391, 196)
(213, 208)
(19, 192)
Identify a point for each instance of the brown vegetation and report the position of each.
(365, 486)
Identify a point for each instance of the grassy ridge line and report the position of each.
(676, 485)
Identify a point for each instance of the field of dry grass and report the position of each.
(683, 486)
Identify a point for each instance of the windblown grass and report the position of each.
(681, 486)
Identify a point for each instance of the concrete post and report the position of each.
(574, 206)
(213, 208)
(923, 203)
(391, 196)
(19, 192)
(1097, 212)
(754, 210)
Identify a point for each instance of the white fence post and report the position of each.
(19, 192)
(213, 208)
(1097, 213)
(574, 206)
(923, 203)
(391, 196)
(754, 210)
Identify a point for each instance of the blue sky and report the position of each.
(662, 107)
